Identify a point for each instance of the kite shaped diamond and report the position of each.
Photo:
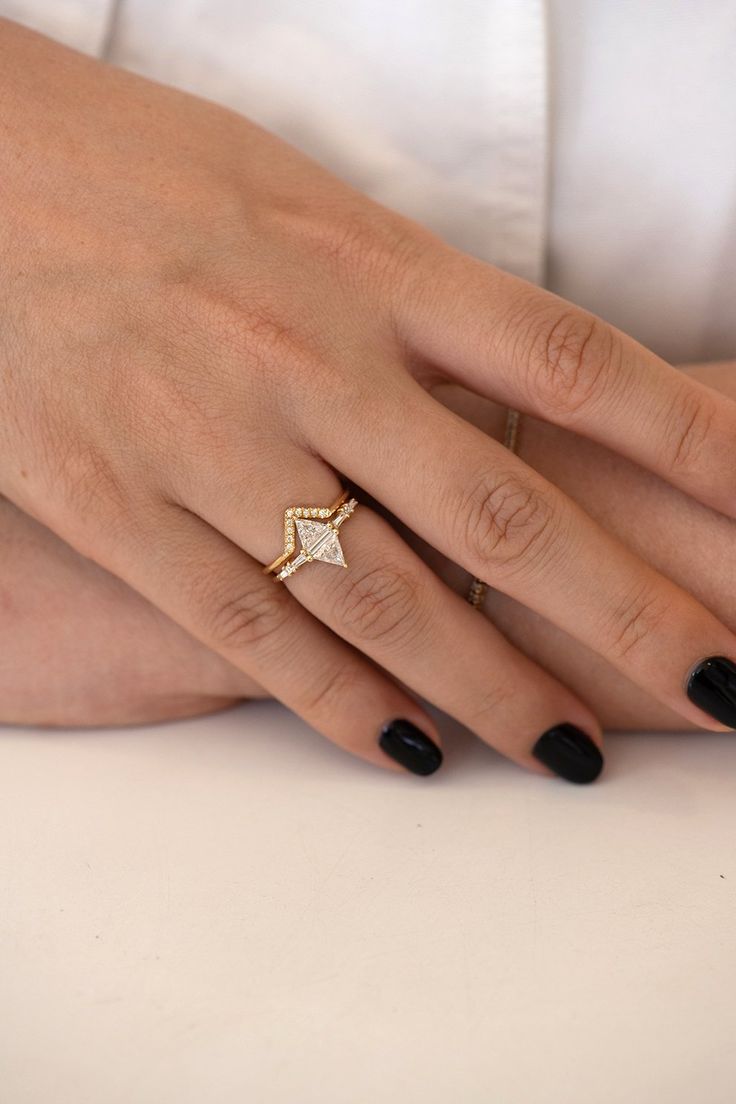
(320, 541)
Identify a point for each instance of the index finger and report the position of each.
(518, 344)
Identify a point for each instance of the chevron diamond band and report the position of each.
(318, 530)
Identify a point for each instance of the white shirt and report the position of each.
(586, 145)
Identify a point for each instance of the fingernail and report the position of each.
(408, 745)
(567, 751)
(712, 686)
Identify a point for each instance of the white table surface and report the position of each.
(231, 910)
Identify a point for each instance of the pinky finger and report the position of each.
(220, 595)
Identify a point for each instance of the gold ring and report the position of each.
(317, 528)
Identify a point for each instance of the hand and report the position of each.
(202, 326)
(88, 650)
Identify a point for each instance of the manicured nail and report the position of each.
(712, 686)
(567, 751)
(408, 745)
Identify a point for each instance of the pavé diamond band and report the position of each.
(317, 528)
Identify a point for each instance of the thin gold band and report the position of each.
(477, 589)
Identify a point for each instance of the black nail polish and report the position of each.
(712, 686)
(408, 745)
(567, 751)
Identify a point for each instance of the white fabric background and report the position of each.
(643, 181)
(79, 23)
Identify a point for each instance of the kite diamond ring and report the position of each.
(318, 531)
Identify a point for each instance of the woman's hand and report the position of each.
(88, 650)
(201, 327)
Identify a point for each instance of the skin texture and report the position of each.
(200, 323)
(88, 650)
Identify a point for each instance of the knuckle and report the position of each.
(380, 603)
(687, 433)
(352, 242)
(634, 623)
(252, 620)
(366, 243)
(225, 344)
(569, 361)
(508, 523)
(266, 336)
(209, 310)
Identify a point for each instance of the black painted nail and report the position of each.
(408, 745)
(567, 751)
(712, 686)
